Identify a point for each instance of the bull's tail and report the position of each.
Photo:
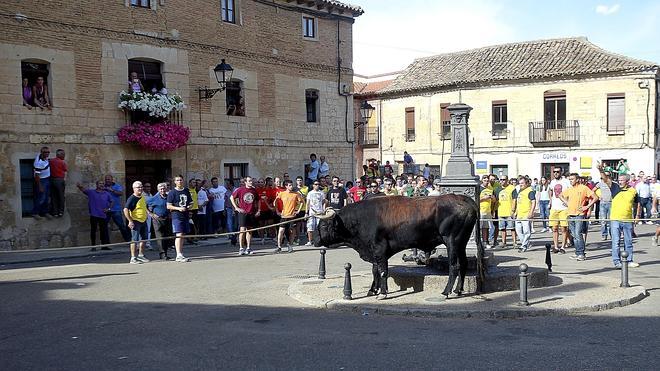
(481, 264)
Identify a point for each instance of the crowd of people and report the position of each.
(508, 206)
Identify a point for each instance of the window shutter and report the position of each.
(410, 119)
(616, 114)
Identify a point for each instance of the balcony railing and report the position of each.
(554, 133)
(410, 136)
(133, 117)
(368, 136)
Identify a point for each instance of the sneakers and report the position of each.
(604, 238)
(655, 240)
(489, 247)
(248, 251)
(182, 259)
(640, 223)
(633, 265)
(618, 266)
(142, 259)
(241, 251)
(579, 258)
(649, 222)
(289, 249)
(562, 250)
(309, 243)
(134, 261)
(278, 250)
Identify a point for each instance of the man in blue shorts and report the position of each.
(179, 202)
(135, 212)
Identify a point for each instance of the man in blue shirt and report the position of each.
(313, 173)
(116, 211)
(160, 215)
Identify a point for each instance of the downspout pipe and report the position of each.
(345, 95)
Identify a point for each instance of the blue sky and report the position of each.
(392, 33)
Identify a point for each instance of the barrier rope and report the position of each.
(115, 244)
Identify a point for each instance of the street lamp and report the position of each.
(366, 110)
(223, 73)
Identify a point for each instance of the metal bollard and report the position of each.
(624, 269)
(548, 257)
(322, 265)
(523, 284)
(348, 288)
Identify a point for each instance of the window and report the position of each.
(554, 109)
(616, 113)
(27, 186)
(141, 3)
(35, 87)
(499, 119)
(228, 13)
(311, 101)
(445, 122)
(499, 170)
(235, 101)
(410, 124)
(309, 27)
(234, 173)
(148, 72)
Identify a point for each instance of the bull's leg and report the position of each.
(375, 284)
(451, 254)
(462, 267)
(383, 273)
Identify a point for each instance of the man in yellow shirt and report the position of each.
(524, 203)
(135, 211)
(504, 210)
(486, 199)
(623, 199)
(292, 204)
(575, 198)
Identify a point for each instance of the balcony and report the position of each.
(368, 136)
(560, 133)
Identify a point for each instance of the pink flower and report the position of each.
(157, 137)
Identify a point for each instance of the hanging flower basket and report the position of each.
(157, 137)
(156, 105)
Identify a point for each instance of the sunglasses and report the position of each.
(556, 171)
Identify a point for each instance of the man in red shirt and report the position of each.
(245, 201)
(358, 191)
(58, 171)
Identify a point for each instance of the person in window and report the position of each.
(28, 98)
(40, 93)
(134, 84)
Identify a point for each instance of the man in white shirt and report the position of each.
(643, 189)
(216, 195)
(558, 210)
(41, 168)
(202, 201)
(315, 199)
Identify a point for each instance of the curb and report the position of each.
(637, 293)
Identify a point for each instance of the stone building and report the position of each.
(536, 104)
(288, 95)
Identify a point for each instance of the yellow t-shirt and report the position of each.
(304, 190)
(505, 199)
(486, 206)
(193, 193)
(622, 203)
(290, 202)
(576, 196)
(524, 200)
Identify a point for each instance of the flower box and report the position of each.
(162, 136)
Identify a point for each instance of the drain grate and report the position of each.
(301, 276)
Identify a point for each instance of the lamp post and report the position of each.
(223, 73)
(366, 110)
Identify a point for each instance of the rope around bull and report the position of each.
(216, 235)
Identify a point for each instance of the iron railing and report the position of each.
(368, 136)
(554, 133)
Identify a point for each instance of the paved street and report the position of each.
(222, 311)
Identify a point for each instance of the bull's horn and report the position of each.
(329, 214)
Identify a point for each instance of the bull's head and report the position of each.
(326, 230)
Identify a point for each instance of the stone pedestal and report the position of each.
(459, 177)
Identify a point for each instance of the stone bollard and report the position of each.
(322, 265)
(523, 284)
(548, 257)
(348, 288)
(624, 269)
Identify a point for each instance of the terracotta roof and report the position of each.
(362, 88)
(555, 58)
(356, 10)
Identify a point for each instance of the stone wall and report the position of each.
(87, 45)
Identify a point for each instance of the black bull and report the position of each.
(380, 227)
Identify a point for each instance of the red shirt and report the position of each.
(57, 168)
(247, 199)
(278, 190)
(357, 193)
